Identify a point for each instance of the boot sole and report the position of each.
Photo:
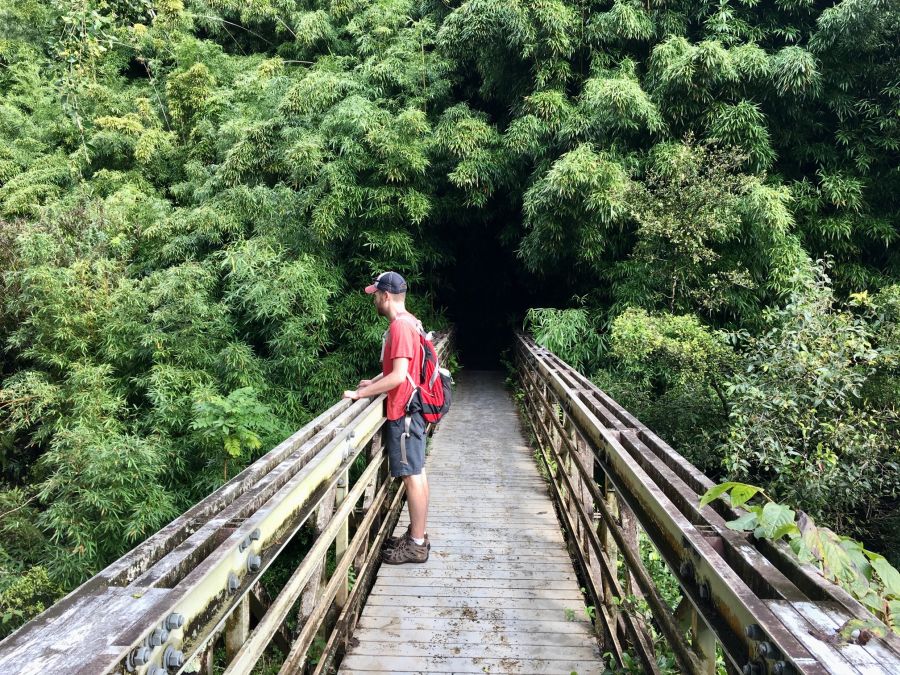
(403, 562)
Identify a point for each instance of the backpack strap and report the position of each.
(383, 344)
(407, 422)
(417, 325)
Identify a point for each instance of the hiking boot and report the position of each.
(391, 542)
(406, 551)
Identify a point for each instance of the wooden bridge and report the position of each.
(506, 590)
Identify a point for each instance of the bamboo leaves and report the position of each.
(569, 209)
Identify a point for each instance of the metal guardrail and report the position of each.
(610, 475)
(164, 607)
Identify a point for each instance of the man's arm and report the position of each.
(386, 383)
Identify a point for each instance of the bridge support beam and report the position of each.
(609, 546)
(237, 628)
(704, 643)
(343, 537)
(206, 658)
(703, 639)
(311, 594)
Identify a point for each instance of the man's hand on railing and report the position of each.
(354, 395)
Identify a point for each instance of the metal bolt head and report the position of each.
(158, 636)
(254, 562)
(245, 544)
(686, 568)
(754, 632)
(766, 650)
(141, 656)
(233, 582)
(703, 591)
(173, 621)
(782, 668)
(255, 535)
(752, 669)
(172, 658)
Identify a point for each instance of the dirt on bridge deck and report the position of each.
(499, 593)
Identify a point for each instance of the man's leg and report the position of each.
(427, 497)
(417, 502)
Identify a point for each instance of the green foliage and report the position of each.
(867, 576)
(570, 208)
(806, 408)
(238, 422)
(701, 243)
(570, 332)
(663, 578)
(801, 421)
(671, 371)
(192, 194)
(103, 489)
(24, 597)
(196, 200)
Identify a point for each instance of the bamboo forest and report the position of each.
(695, 203)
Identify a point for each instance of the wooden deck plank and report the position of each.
(447, 645)
(499, 593)
(513, 569)
(454, 576)
(556, 607)
(476, 637)
(491, 591)
(415, 664)
(498, 614)
(486, 581)
(389, 625)
(496, 557)
(807, 634)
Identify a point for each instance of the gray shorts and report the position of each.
(414, 460)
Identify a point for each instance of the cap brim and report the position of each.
(371, 289)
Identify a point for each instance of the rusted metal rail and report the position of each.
(164, 607)
(612, 476)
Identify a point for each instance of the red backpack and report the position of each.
(431, 388)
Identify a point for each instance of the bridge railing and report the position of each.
(749, 599)
(194, 586)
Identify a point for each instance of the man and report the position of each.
(401, 354)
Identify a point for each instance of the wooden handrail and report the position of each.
(164, 606)
(612, 475)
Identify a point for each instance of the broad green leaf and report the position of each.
(741, 493)
(875, 627)
(715, 492)
(894, 618)
(857, 555)
(787, 530)
(837, 564)
(743, 524)
(812, 541)
(774, 517)
(889, 576)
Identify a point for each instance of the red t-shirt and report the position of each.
(401, 341)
